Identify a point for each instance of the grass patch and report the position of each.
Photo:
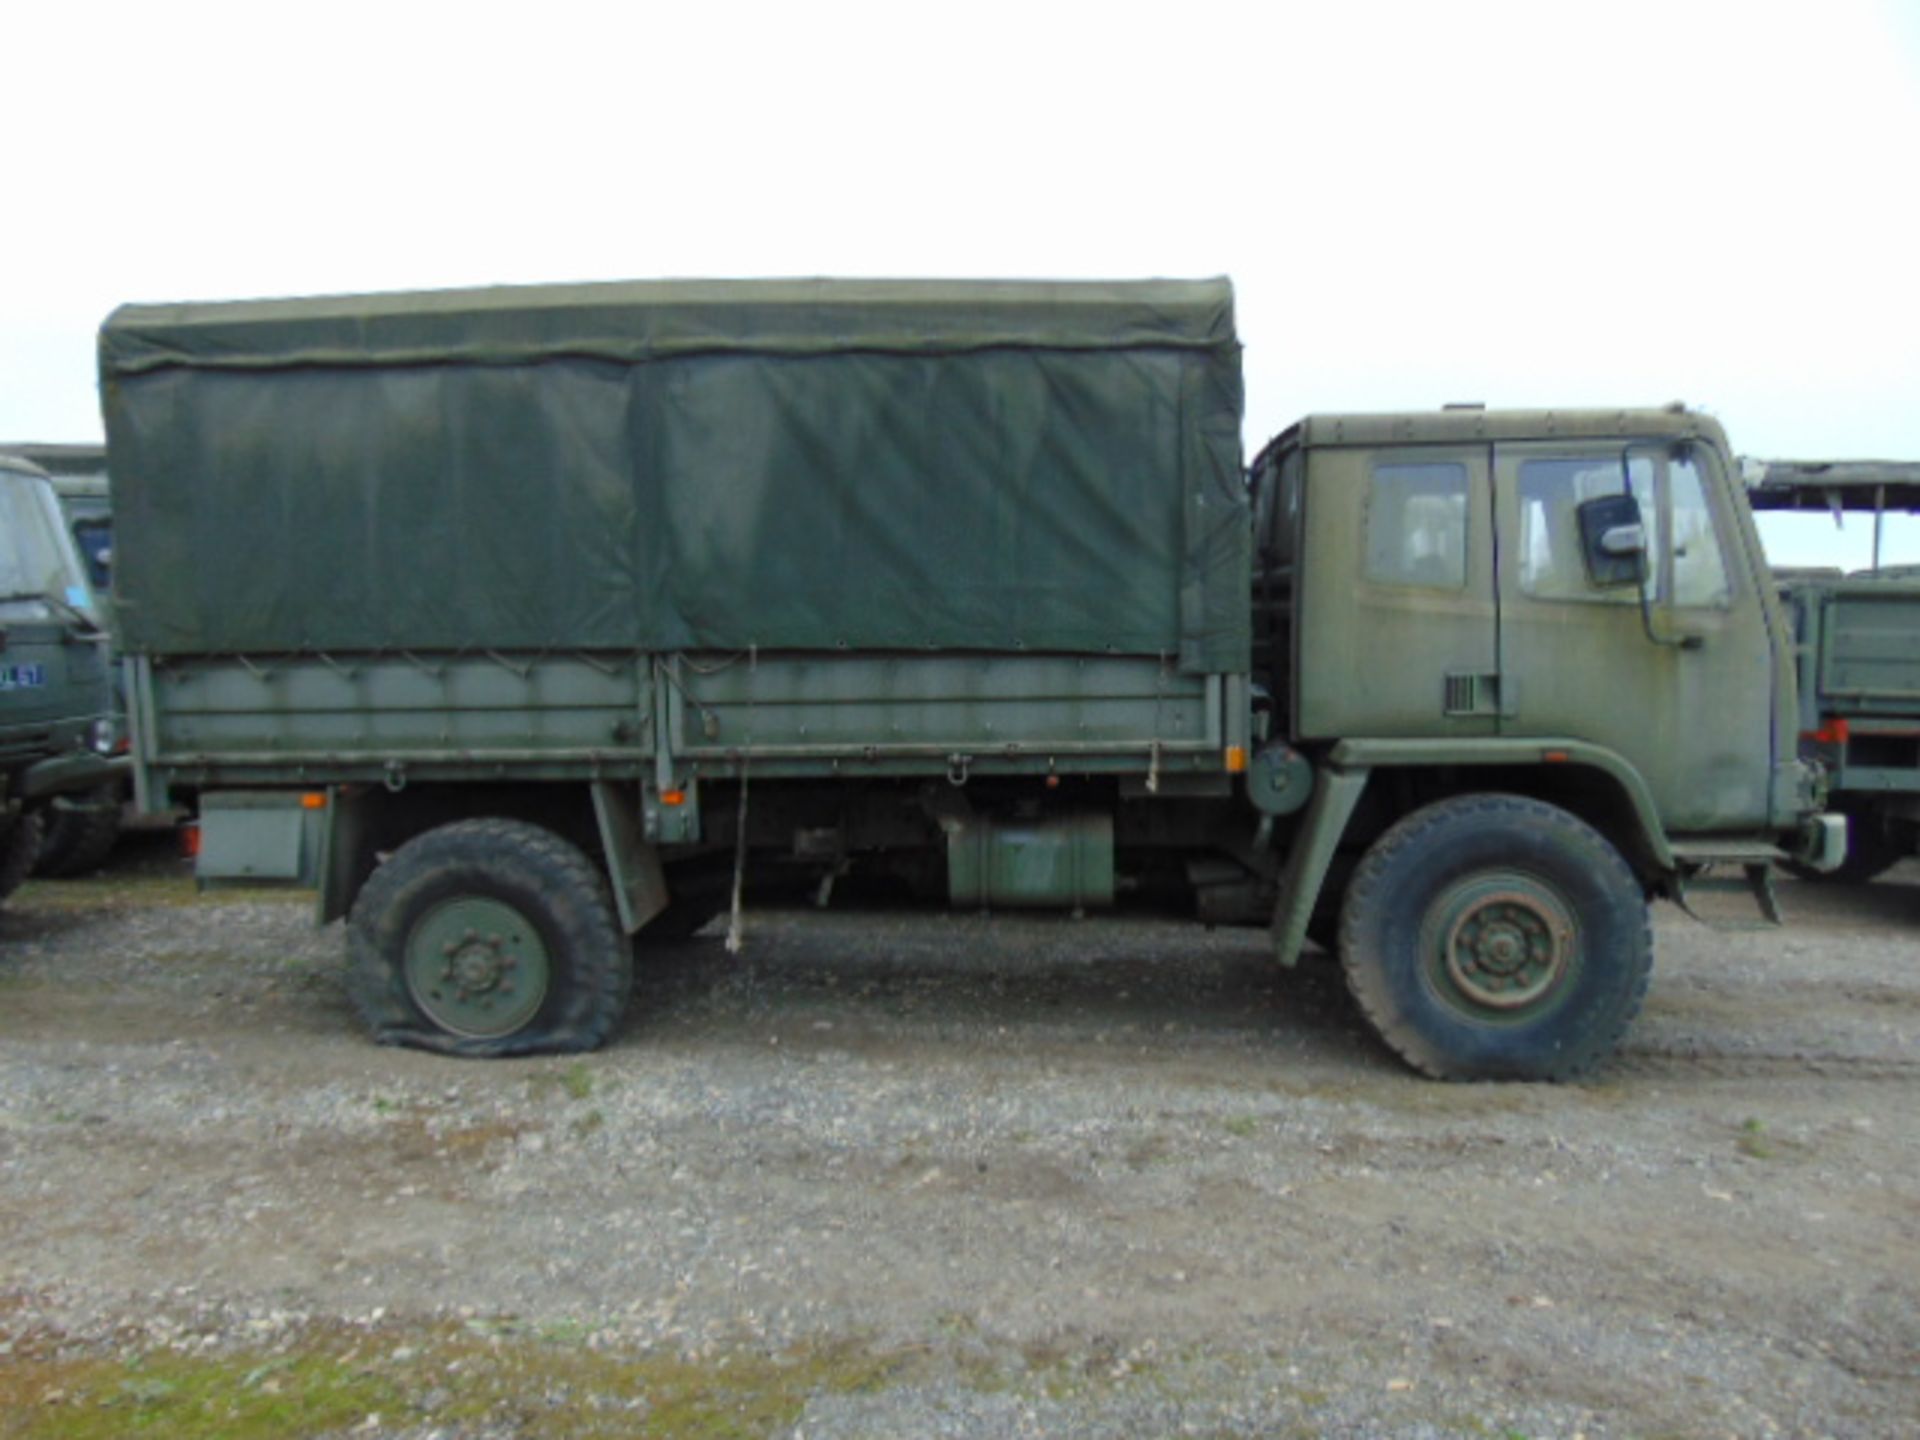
(1753, 1142)
(575, 1082)
(243, 1396)
(546, 1386)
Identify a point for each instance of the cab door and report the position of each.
(1402, 645)
(1678, 683)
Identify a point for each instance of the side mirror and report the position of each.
(1614, 541)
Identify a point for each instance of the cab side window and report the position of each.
(1417, 525)
(1552, 564)
(1673, 498)
(1699, 574)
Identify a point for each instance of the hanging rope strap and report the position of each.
(736, 921)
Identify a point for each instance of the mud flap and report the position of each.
(1335, 794)
(633, 864)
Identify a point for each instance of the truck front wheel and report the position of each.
(484, 938)
(1493, 937)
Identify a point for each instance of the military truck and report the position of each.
(81, 829)
(522, 621)
(56, 725)
(1857, 647)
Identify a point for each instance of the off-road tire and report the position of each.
(1466, 886)
(550, 887)
(19, 846)
(79, 841)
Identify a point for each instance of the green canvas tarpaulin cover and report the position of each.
(684, 465)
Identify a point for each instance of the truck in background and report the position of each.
(531, 624)
(1857, 650)
(81, 829)
(56, 724)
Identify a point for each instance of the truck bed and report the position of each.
(213, 720)
(1862, 637)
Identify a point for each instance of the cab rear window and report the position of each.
(1417, 525)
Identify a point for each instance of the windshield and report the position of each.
(40, 574)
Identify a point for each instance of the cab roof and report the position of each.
(1468, 423)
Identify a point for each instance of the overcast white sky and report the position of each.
(1617, 203)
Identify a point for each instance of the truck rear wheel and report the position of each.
(80, 839)
(484, 938)
(1493, 937)
(19, 846)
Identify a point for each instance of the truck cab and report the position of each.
(82, 828)
(56, 727)
(1445, 580)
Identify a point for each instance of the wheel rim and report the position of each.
(1501, 945)
(477, 967)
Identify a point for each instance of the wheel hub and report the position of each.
(1506, 948)
(477, 967)
(481, 963)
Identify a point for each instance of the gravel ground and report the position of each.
(946, 1176)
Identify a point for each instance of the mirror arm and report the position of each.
(1682, 642)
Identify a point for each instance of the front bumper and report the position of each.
(1821, 842)
(75, 770)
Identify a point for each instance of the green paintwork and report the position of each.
(1430, 754)
(346, 845)
(260, 837)
(477, 967)
(1860, 647)
(1335, 794)
(1488, 658)
(1059, 862)
(1279, 780)
(639, 887)
(597, 714)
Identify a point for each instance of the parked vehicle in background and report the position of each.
(523, 621)
(81, 829)
(1857, 643)
(56, 723)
